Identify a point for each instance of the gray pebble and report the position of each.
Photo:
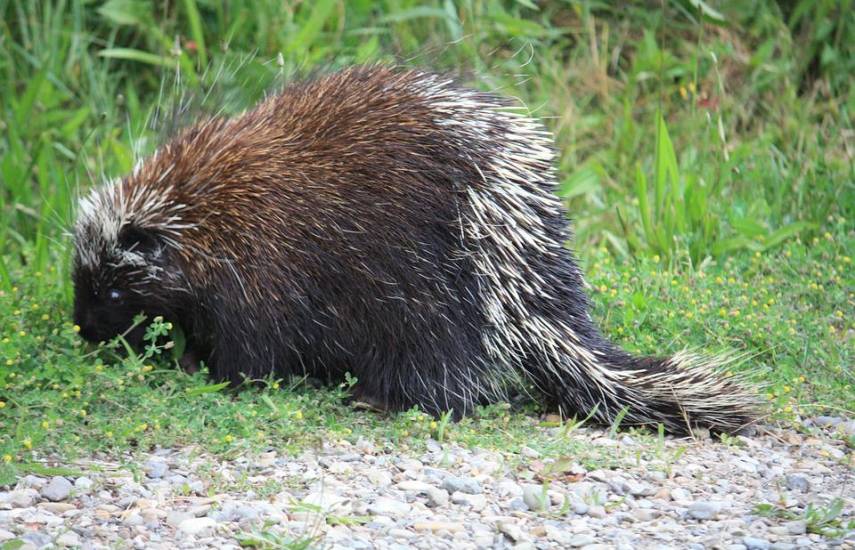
(752, 543)
(31, 481)
(176, 479)
(528, 452)
(475, 502)
(579, 507)
(38, 540)
(435, 474)
(83, 484)
(680, 494)
(796, 527)
(798, 482)
(637, 488)
(826, 421)
(197, 487)
(133, 519)
(20, 498)
(197, 526)
(506, 488)
(57, 489)
(436, 497)
(511, 530)
(462, 484)
(69, 538)
(379, 478)
(580, 540)
(644, 514)
(704, 510)
(384, 506)
(177, 517)
(518, 505)
(596, 511)
(534, 498)
(155, 468)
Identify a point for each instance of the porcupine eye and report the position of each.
(115, 296)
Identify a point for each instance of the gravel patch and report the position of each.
(671, 494)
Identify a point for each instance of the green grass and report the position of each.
(706, 162)
(821, 520)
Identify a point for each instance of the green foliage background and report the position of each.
(705, 157)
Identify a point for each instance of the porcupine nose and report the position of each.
(87, 327)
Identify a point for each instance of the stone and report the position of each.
(518, 505)
(69, 538)
(450, 526)
(528, 452)
(704, 509)
(826, 421)
(752, 543)
(379, 478)
(596, 511)
(637, 489)
(534, 498)
(680, 494)
(38, 540)
(645, 514)
(581, 540)
(329, 502)
(176, 517)
(57, 508)
(510, 530)
(156, 469)
(384, 506)
(507, 487)
(197, 526)
(464, 485)
(413, 486)
(558, 535)
(475, 502)
(436, 497)
(798, 482)
(31, 481)
(22, 498)
(57, 489)
(796, 527)
(133, 518)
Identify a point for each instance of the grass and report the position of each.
(706, 161)
(821, 520)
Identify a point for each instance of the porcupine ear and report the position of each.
(141, 241)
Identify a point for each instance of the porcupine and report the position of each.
(384, 222)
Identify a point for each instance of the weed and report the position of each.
(822, 520)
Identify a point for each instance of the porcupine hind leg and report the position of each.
(435, 384)
(440, 375)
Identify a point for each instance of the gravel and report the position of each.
(671, 494)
